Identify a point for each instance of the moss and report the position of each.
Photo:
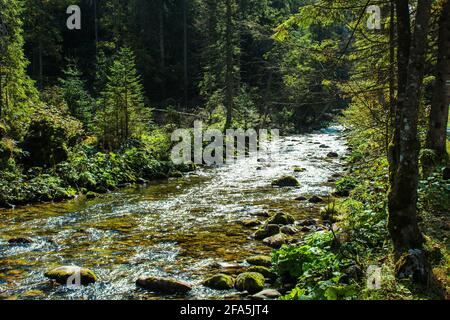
(163, 285)
(252, 282)
(266, 272)
(287, 181)
(220, 282)
(281, 218)
(266, 231)
(175, 174)
(264, 261)
(91, 195)
(62, 274)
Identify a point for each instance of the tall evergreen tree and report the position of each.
(123, 113)
(17, 92)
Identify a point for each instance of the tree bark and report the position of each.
(185, 53)
(436, 136)
(229, 83)
(162, 51)
(402, 222)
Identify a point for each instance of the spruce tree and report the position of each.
(17, 92)
(122, 102)
(79, 101)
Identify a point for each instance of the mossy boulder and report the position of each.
(413, 265)
(266, 231)
(299, 169)
(252, 282)
(315, 199)
(289, 230)
(266, 272)
(287, 181)
(250, 223)
(220, 282)
(65, 274)
(332, 155)
(175, 174)
(91, 195)
(276, 241)
(264, 261)
(163, 285)
(281, 218)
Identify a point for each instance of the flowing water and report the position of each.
(187, 228)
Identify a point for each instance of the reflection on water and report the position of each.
(187, 228)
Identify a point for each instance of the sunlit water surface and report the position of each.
(187, 228)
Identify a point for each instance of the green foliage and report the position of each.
(434, 193)
(346, 184)
(50, 135)
(17, 92)
(122, 114)
(80, 103)
(315, 267)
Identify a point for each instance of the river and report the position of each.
(186, 228)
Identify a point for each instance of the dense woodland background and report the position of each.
(85, 111)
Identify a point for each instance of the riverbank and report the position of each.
(354, 260)
(89, 171)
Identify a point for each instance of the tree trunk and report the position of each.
(402, 222)
(403, 43)
(40, 77)
(162, 50)
(229, 83)
(436, 136)
(185, 53)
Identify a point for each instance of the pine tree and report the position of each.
(17, 92)
(79, 101)
(123, 113)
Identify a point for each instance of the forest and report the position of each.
(355, 206)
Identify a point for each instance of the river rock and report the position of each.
(287, 181)
(266, 272)
(252, 282)
(288, 230)
(264, 261)
(220, 282)
(250, 223)
(20, 241)
(281, 218)
(332, 155)
(276, 241)
(266, 231)
(324, 146)
(163, 285)
(301, 198)
(342, 193)
(307, 222)
(62, 274)
(413, 265)
(315, 199)
(266, 294)
(299, 169)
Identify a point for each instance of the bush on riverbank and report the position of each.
(334, 264)
(88, 168)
